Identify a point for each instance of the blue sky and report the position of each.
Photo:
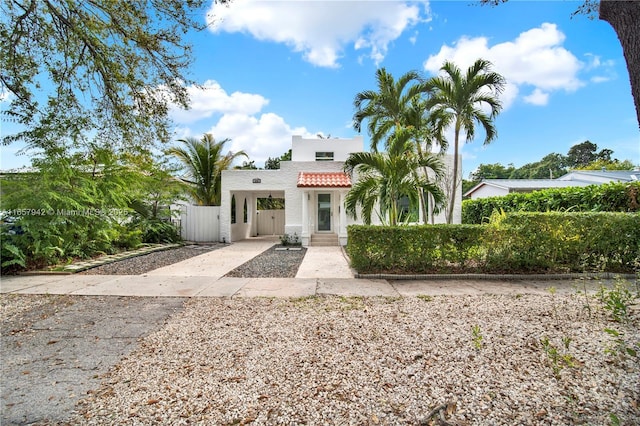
(271, 69)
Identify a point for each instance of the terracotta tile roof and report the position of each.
(323, 180)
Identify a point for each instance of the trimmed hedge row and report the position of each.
(550, 242)
(611, 197)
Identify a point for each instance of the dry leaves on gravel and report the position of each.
(333, 360)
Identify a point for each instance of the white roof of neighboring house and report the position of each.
(526, 185)
(573, 178)
(596, 176)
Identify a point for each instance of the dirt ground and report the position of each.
(55, 349)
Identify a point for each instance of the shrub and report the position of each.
(154, 230)
(611, 197)
(413, 249)
(563, 242)
(511, 243)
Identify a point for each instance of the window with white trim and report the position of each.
(324, 156)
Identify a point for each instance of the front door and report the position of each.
(324, 212)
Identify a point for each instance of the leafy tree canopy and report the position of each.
(582, 156)
(550, 167)
(584, 153)
(203, 161)
(72, 67)
(274, 163)
(614, 164)
(247, 165)
(492, 171)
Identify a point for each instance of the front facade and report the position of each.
(312, 184)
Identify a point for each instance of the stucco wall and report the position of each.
(305, 149)
(282, 182)
(488, 191)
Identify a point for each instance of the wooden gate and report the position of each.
(270, 222)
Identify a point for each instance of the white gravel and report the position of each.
(367, 361)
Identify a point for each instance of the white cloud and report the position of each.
(321, 29)
(537, 97)
(238, 117)
(5, 96)
(260, 137)
(536, 58)
(210, 98)
(604, 67)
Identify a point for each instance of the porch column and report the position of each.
(342, 231)
(305, 218)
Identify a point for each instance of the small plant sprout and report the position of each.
(477, 336)
(617, 300)
(425, 297)
(619, 346)
(558, 360)
(614, 420)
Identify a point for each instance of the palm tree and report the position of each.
(424, 131)
(457, 101)
(386, 109)
(385, 177)
(203, 161)
(397, 106)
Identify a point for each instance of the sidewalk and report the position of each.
(324, 271)
(204, 286)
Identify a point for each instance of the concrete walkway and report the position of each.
(324, 271)
(216, 263)
(324, 262)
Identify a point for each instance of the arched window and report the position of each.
(245, 212)
(233, 209)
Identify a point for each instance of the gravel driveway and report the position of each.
(470, 360)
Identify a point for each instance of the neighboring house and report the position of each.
(601, 176)
(499, 187)
(313, 186)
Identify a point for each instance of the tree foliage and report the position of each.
(83, 204)
(72, 67)
(395, 106)
(492, 171)
(274, 163)
(614, 164)
(582, 156)
(550, 166)
(384, 178)
(398, 109)
(203, 161)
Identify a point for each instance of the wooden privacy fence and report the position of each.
(200, 223)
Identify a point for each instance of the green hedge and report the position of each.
(563, 242)
(611, 197)
(550, 242)
(413, 249)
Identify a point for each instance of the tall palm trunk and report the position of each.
(423, 201)
(454, 185)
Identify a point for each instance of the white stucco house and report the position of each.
(313, 186)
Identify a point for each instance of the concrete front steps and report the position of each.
(324, 240)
